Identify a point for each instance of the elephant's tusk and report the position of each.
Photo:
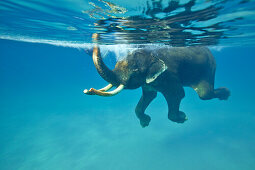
(106, 88)
(102, 93)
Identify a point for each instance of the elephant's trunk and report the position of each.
(107, 74)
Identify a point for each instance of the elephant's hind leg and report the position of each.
(206, 91)
(143, 103)
(222, 93)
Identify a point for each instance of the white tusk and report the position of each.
(106, 88)
(102, 93)
(89, 92)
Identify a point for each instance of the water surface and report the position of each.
(174, 22)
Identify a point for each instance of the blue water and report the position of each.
(46, 122)
(174, 22)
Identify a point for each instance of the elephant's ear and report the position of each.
(155, 70)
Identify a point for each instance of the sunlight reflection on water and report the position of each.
(172, 22)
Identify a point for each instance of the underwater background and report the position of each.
(47, 122)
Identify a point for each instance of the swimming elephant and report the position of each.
(166, 70)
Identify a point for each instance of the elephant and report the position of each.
(166, 70)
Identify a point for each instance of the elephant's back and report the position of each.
(194, 55)
(190, 64)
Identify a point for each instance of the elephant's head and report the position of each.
(138, 68)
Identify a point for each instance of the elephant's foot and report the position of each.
(222, 93)
(144, 120)
(179, 117)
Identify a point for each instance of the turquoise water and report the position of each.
(174, 22)
(46, 122)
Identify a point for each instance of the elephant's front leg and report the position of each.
(173, 99)
(143, 103)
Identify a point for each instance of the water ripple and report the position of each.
(170, 22)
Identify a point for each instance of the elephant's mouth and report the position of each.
(105, 73)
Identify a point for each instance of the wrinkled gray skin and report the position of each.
(166, 70)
